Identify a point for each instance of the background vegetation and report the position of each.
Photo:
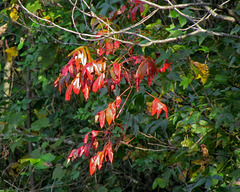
(197, 148)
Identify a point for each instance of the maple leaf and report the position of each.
(158, 106)
(165, 66)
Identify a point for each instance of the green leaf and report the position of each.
(186, 80)
(58, 173)
(40, 123)
(33, 6)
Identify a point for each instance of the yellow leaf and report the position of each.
(11, 52)
(201, 71)
(14, 14)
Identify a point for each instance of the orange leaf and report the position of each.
(92, 165)
(109, 115)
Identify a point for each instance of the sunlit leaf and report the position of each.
(109, 115)
(118, 101)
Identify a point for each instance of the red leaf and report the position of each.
(137, 84)
(98, 83)
(101, 51)
(92, 165)
(116, 44)
(95, 144)
(109, 48)
(154, 106)
(94, 133)
(85, 90)
(112, 106)
(133, 13)
(99, 159)
(110, 152)
(118, 101)
(71, 69)
(87, 149)
(80, 151)
(126, 76)
(76, 85)
(109, 115)
(165, 66)
(71, 155)
(102, 118)
(117, 69)
(158, 106)
(68, 92)
(86, 138)
(142, 70)
(64, 70)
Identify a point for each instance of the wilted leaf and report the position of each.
(3, 28)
